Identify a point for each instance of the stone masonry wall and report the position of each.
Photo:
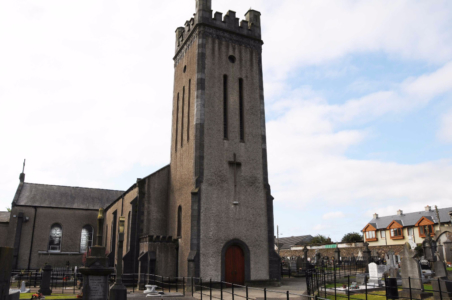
(345, 252)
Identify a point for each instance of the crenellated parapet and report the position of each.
(249, 27)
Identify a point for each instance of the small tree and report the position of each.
(321, 239)
(352, 237)
(8, 209)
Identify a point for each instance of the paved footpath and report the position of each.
(295, 286)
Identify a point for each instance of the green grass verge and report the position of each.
(449, 269)
(53, 296)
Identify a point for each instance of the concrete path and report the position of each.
(295, 286)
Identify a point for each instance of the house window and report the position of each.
(383, 233)
(371, 235)
(396, 233)
(426, 229)
(56, 234)
(86, 240)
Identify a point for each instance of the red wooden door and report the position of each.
(235, 265)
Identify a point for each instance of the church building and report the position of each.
(209, 213)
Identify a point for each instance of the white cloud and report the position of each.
(320, 227)
(445, 130)
(86, 89)
(333, 215)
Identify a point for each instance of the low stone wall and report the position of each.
(345, 252)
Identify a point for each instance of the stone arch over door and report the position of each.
(246, 257)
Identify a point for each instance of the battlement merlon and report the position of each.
(250, 27)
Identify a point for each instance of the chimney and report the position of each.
(375, 216)
(400, 212)
(428, 208)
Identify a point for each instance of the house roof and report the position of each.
(4, 216)
(287, 242)
(33, 194)
(410, 219)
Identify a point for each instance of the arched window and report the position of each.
(56, 234)
(179, 221)
(86, 240)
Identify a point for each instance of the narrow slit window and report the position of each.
(241, 111)
(188, 111)
(182, 123)
(225, 106)
(177, 122)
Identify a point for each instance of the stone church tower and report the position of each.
(209, 213)
(219, 191)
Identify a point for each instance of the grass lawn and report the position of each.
(371, 295)
(449, 269)
(53, 296)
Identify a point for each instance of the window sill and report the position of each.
(397, 237)
(372, 240)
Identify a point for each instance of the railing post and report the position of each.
(440, 293)
(210, 288)
(183, 284)
(265, 293)
(169, 284)
(348, 288)
(221, 290)
(409, 285)
(200, 283)
(177, 284)
(335, 283)
(287, 294)
(192, 286)
(365, 282)
(246, 288)
(232, 291)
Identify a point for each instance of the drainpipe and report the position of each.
(32, 237)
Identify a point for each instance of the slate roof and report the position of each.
(4, 216)
(410, 219)
(287, 242)
(33, 194)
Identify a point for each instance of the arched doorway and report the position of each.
(234, 265)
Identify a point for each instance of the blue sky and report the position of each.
(358, 100)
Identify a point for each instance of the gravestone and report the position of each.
(300, 264)
(376, 273)
(411, 275)
(362, 278)
(429, 246)
(45, 281)
(293, 266)
(440, 252)
(337, 254)
(96, 270)
(305, 253)
(6, 258)
(23, 288)
(447, 250)
(411, 242)
(442, 288)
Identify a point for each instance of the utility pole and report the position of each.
(277, 237)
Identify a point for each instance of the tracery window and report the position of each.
(86, 240)
(56, 235)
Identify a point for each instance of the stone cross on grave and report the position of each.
(235, 164)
